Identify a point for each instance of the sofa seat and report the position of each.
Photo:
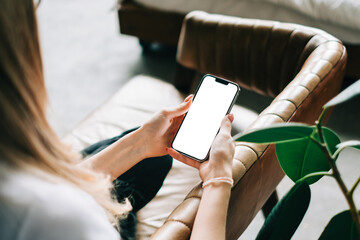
(131, 106)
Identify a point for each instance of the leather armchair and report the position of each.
(301, 67)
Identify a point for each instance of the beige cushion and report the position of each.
(131, 106)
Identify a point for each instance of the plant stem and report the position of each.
(336, 173)
(321, 117)
(320, 133)
(351, 192)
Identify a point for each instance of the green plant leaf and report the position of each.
(276, 133)
(287, 214)
(303, 156)
(315, 174)
(331, 139)
(341, 226)
(345, 95)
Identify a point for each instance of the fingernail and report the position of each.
(231, 117)
(188, 98)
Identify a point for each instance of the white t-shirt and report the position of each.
(31, 208)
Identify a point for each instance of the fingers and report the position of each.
(178, 156)
(230, 116)
(182, 108)
(188, 98)
(226, 123)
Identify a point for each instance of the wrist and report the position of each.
(141, 143)
(221, 189)
(119, 156)
(217, 173)
(219, 181)
(134, 144)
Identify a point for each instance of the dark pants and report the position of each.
(139, 184)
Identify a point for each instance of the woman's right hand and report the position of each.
(221, 154)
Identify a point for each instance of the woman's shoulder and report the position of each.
(37, 209)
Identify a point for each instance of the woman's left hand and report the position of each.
(160, 130)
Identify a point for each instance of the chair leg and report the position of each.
(145, 45)
(157, 49)
(270, 203)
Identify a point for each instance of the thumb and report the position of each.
(226, 123)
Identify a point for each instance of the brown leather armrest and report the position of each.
(263, 56)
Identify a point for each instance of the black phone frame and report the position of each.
(220, 80)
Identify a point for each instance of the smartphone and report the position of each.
(213, 99)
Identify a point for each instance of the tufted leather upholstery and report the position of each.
(301, 67)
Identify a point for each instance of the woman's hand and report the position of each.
(221, 154)
(160, 130)
(210, 219)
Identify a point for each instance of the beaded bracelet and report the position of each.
(218, 179)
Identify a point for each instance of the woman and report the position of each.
(49, 192)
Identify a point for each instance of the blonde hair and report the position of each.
(27, 141)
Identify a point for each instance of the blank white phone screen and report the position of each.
(202, 122)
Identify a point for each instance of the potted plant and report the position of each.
(306, 154)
